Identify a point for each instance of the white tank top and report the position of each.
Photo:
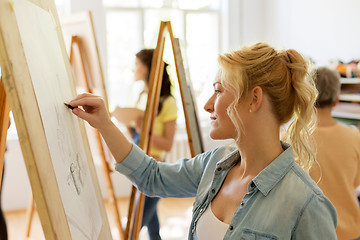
(209, 227)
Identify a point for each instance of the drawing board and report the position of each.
(38, 81)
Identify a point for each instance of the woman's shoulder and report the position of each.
(303, 189)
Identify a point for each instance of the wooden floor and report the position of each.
(174, 216)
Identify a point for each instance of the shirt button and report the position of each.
(231, 228)
(242, 204)
(201, 210)
(219, 169)
(213, 190)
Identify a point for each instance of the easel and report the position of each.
(194, 138)
(4, 121)
(16, 58)
(76, 45)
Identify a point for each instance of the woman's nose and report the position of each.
(209, 105)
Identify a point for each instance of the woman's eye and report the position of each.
(217, 91)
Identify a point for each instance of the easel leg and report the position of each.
(29, 216)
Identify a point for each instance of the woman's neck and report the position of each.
(257, 153)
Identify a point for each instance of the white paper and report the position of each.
(52, 88)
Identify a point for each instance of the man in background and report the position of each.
(337, 170)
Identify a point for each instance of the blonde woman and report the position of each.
(254, 189)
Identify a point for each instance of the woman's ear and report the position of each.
(256, 98)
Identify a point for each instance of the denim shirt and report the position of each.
(282, 202)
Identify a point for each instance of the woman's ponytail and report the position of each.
(299, 133)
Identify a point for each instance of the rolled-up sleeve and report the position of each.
(180, 179)
(317, 220)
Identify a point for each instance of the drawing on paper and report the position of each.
(52, 88)
(75, 176)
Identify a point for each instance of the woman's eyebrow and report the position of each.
(217, 82)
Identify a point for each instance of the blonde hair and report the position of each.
(283, 76)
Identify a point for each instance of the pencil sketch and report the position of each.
(52, 88)
(75, 176)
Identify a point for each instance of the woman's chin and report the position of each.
(218, 135)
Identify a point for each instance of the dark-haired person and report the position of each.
(255, 188)
(163, 129)
(338, 155)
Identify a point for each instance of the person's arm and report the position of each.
(95, 113)
(153, 178)
(317, 220)
(165, 142)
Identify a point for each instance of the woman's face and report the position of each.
(221, 125)
(141, 70)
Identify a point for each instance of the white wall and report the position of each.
(321, 29)
(16, 187)
(325, 29)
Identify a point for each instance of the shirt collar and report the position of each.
(275, 171)
(230, 159)
(269, 176)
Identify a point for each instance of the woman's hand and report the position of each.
(95, 111)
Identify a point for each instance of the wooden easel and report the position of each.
(76, 45)
(19, 85)
(192, 126)
(4, 121)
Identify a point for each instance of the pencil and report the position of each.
(69, 106)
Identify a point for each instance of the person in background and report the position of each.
(338, 156)
(254, 188)
(163, 129)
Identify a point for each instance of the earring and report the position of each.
(250, 110)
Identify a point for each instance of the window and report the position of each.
(63, 7)
(133, 25)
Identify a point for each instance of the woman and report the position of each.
(163, 129)
(165, 121)
(254, 189)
